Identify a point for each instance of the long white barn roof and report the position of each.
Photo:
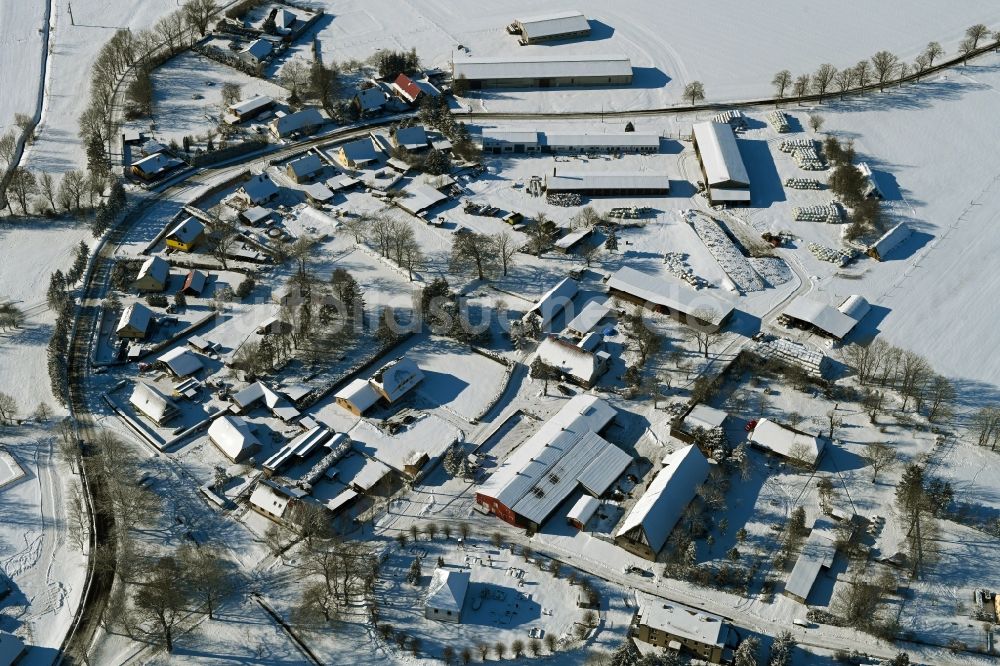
(557, 23)
(608, 180)
(720, 154)
(668, 293)
(824, 317)
(549, 67)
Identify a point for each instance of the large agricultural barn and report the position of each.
(530, 141)
(566, 453)
(548, 27)
(543, 71)
(726, 178)
(608, 184)
(670, 297)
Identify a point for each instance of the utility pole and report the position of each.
(69, 7)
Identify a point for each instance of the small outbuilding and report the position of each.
(579, 366)
(888, 242)
(446, 595)
(248, 108)
(257, 51)
(787, 442)
(582, 511)
(357, 397)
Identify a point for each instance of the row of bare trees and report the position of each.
(881, 69)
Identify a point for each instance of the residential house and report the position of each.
(357, 154)
(301, 122)
(181, 362)
(257, 52)
(256, 190)
(153, 275)
(357, 397)
(396, 378)
(370, 102)
(134, 322)
(186, 234)
(153, 403)
(411, 90)
(194, 283)
(577, 365)
(155, 166)
(234, 437)
(304, 169)
(672, 626)
(410, 139)
(446, 595)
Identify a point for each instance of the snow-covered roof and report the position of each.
(786, 442)
(371, 99)
(341, 182)
(553, 25)
(320, 193)
(817, 553)
(720, 154)
(680, 620)
(233, 436)
(584, 509)
(156, 163)
(306, 165)
(361, 472)
(293, 122)
(607, 180)
(187, 231)
(156, 268)
(890, 240)
(284, 19)
(667, 292)
(655, 513)
(11, 648)
(181, 361)
(270, 497)
(495, 137)
(396, 378)
(825, 317)
(447, 590)
(703, 416)
(251, 105)
(428, 436)
(570, 359)
(272, 400)
(152, 402)
(589, 317)
(299, 447)
(195, 281)
(540, 66)
(855, 307)
(612, 140)
(411, 138)
(361, 151)
(419, 197)
(564, 452)
(572, 238)
(259, 188)
(259, 49)
(359, 393)
(257, 214)
(554, 300)
(135, 316)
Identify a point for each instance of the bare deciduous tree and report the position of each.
(505, 247)
(880, 456)
(781, 81)
(933, 51)
(823, 78)
(884, 64)
(844, 79)
(695, 92)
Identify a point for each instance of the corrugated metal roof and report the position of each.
(824, 317)
(495, 136)
(591, 315)
(531, 67)
(584, 509)
(616, 140)
(250, 105)
(670, 293)
(605, 467)
(564, 182)
(817, 553)
(663, 503)
(554, 300)
(786, 442)
(720, 154)
(556, 23)
(855, 307)
(891, 239)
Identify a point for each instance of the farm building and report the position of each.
(301, 446)
(247, 109)
(671, 297)
(419, 197)
(410, 139)
(396, 378)
(446, 595)
(592, 314)
(566, 453)
(305, 121)
(509, 141)
(153, 275)
(273, 500)
(370, 101)
(12, 648)
(186, 234)
(787, 442)
(357, 154)
(889, 240)
(554, 301)
(672, 626)
(233, 436)
(361, 474)
(155, 166)
(725, 174)
(652, 518)
(543, 71)
(304, 169)
(871, 187)
(817, 553)
(156, 406)
(573, 238)
(819, 317)
(579, 366)
(357, 397)
(608, 184)
(547, 27)
(257, 51)
(180, 362)
(582, 511)
(134, 322)
(620, 142)
(194, 282)
(256, 190)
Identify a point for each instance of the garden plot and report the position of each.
(455, 378)
(726, 253)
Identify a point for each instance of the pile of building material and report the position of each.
(677, 265)
(791, 353)
(629, 212)
(726, 253)
(834, 256)
(733, 117)
(803, 184)
(829, 213)
(779, 121)
(791, 145)
(567, 199)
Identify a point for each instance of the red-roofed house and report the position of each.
(411, 91)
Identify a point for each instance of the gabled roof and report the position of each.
(397, 377)
(306, 165)
(294, 122)
(360, 151)
(556, 23)
(786, 442)
(181, 361)
(371, 99)
(411, 138)
(135, 316)
(825, 317)
(683, 621)
(541, 66)
(570, 359)
(251, 105)
(156, 268)
(195, 281)
(891, 239)
(447, 590)
(270, 497)
(705, 417)
(720, 154)
(187, 231)
(584, 509)
(670, 293)
(152, 402)
(817, 553)
(233, 436)
(359, 393)
(259, 188)
(257, 392)
(259, 49)
(156, 163)
(285, 19)
(320, 193)
(256, 214)
(555, 300)
(420, 197)
(407, 88)
(590, 316)
(654, 515)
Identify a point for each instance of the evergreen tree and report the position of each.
(611, 244)
(414, 574)
(56, 294)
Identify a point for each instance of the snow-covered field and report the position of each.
(22, 26)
